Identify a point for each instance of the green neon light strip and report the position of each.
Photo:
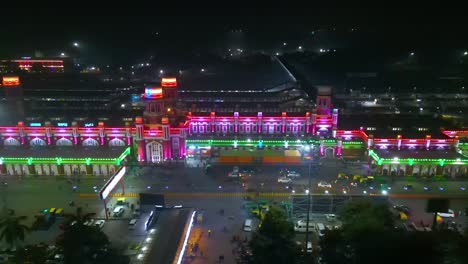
(60, 160)
(413, 161)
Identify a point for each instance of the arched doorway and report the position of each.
(37, 142)
(154, 152)
(11, 142)
(330, 152)
(64, 142)
(116, 142)
(90, 142)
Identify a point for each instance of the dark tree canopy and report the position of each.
(274, 240)
(368, 235)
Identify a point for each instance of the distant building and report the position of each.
(33, 65)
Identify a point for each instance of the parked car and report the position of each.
(449, 214)
(118, 211)
(402, 208)
(136, 213)
(330, 217)
(324, 184)
(233, 175)
(99, 223)
(284, 180)
(293, 174)
(89, 222)
(132, 223)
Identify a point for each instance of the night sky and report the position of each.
(124, 34)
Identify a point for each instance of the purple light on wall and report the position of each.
(9, 130)
(62, 130)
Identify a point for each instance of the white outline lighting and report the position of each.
(115, 180)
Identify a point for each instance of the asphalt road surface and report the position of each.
(30, 195)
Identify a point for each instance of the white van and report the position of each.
(247, 225)
(301, 226)
(321, 229)
(132, 223)
(309, 247)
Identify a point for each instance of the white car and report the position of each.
(330, 217)
(284, 180)
(118, 211)
(293, 174)
(89, 222)
(233, 175)
(450, 214)
(309, 247)
(99, 223)
(323, 184)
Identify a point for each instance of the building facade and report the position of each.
(166, 132)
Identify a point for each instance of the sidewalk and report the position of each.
(208, 249)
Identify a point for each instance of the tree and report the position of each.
(12, 230)
(368, 235)
(274, 240)
(363, 216)
(82, 244)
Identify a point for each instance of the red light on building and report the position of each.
(11, 81)
(153, 93)
(169, 82)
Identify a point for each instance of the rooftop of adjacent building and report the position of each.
(390, 126)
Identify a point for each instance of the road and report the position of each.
(30, 195)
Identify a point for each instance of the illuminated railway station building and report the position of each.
(281, 125)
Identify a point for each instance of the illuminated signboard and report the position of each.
(110, 185)
(35, 124)
(151, 92)
(169, 82)
(89, 124)
(10, 81)
(62, 124)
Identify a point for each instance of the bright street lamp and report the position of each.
(75, 44)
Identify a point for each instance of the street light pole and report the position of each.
(308, 206)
